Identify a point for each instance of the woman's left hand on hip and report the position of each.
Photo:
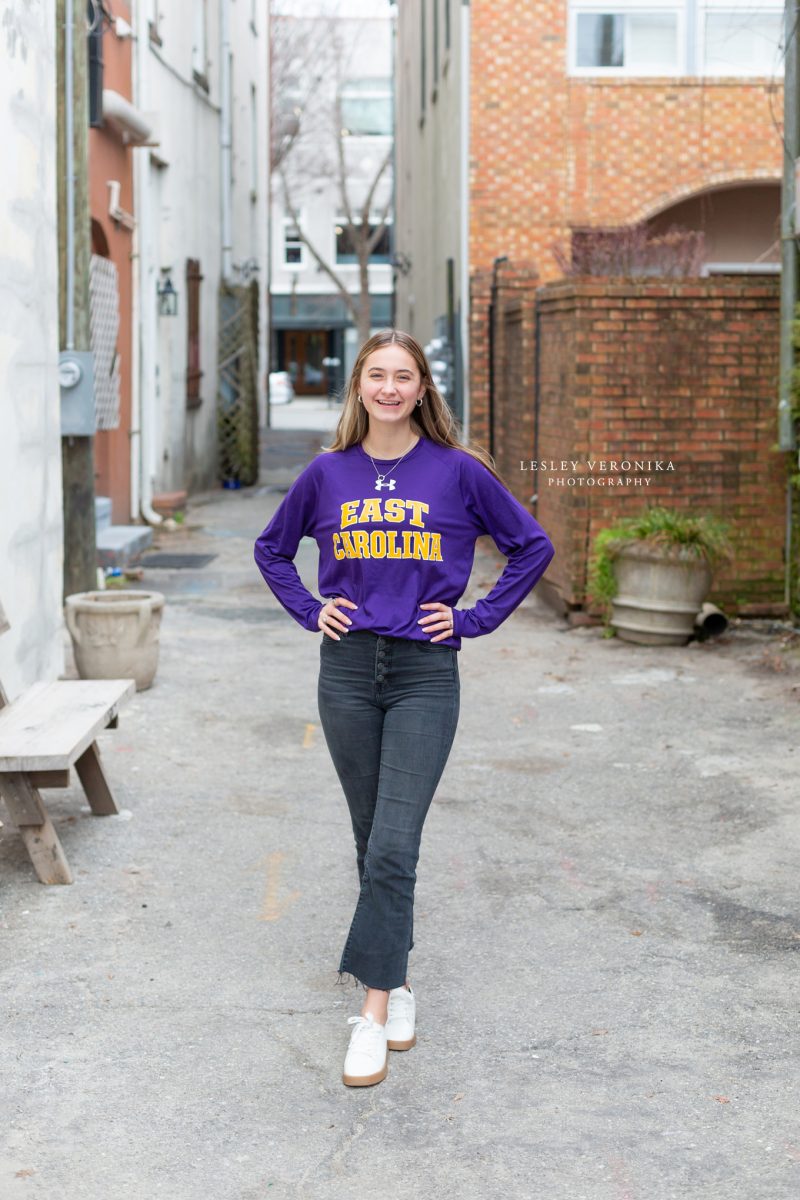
(439, 621)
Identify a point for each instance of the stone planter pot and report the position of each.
(660, 590)
(115, 634)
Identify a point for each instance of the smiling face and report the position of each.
(390, 384)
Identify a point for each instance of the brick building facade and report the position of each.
(508, 146)
(552, 152)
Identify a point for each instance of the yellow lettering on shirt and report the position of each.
(417, 507)
(386, 543)
(361, 542)
(371, 510)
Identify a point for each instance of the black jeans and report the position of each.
(389, 709)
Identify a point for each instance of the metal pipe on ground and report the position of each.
(710, 621)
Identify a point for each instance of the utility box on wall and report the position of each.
(76, 380)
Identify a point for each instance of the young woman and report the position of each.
(395, 503)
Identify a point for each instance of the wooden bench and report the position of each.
(50, 728)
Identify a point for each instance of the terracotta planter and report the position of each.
(115, 634)
(660, 591)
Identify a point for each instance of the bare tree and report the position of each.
(297, 52)
(310, 144)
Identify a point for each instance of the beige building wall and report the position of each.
(430, 151)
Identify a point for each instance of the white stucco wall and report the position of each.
(182, 191)
(31, 525)
(250, 155)
(182, 194)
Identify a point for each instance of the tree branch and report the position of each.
(353, 307)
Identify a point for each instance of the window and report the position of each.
(741, 42)
(293, 250)
(346, 251)
(152, 21)
(193, 373)
(643, 42)
(366, 106)
(200, 44)
(96, 24)
(675, 37)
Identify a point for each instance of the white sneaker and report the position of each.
(400, 1033)
(367, 1059)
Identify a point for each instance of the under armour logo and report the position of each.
(380, 484)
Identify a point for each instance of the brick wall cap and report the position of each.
(747, 287)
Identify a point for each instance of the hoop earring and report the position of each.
(419, 402)
(360, 401)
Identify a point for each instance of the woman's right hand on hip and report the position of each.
(330, 618)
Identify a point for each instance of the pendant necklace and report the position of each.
(379, 483)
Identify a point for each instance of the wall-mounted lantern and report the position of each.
(167, 296)
(401, 262)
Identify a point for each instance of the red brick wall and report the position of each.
(479, 303)
(515, 284)
(111, 158)
(683, 372)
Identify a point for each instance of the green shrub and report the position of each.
(702, 536)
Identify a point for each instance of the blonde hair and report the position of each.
(432, 419)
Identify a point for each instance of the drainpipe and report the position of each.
(136, 344)
(464, 82)
(69, 149)
(789, 266)
(537, 394)
(492, 307)
(225, 141)
(142, 312)
(393, 227)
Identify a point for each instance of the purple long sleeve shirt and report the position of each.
(390, 551)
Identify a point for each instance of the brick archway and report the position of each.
(721, 181)
(740, 223)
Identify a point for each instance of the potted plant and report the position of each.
(652, 572)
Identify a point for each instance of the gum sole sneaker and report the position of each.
(367, 1058)
(400, 1023)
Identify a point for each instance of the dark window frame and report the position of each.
(95, 54)
(293, 243)
(346, 257)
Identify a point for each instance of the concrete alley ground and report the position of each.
(607, 922)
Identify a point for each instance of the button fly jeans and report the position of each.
(389, 709)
